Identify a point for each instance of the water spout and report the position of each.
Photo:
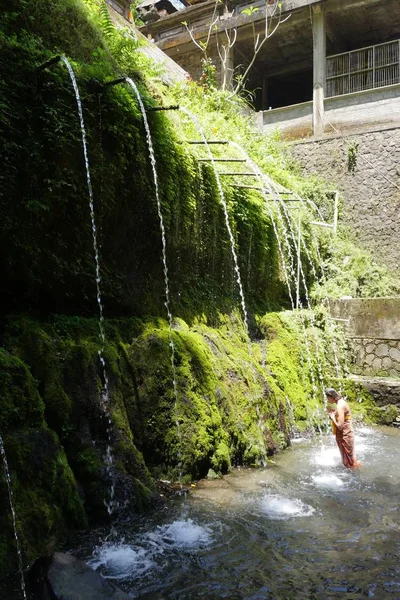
(157, 108)
(49, 63)
(105, 397)
(113, 82)
(226, 214)
(164, 256)
(14, 516)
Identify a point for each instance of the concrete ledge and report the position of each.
(360, 110)
(369, 318)
(292, 121)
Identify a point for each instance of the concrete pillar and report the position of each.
(319, 61)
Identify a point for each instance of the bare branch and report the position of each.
(273, 20)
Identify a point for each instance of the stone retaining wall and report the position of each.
(371, 193)
(375, 357)
(372, 328)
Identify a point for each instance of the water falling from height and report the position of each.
(236, 266)
(288, 270)
(105, 396)
(226, 214)
(14, 516)
(164, 255)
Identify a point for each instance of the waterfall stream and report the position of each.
(226, 214)
(287, 271)
(105, 394)
(236, 266)
(164, 257)
(14, 516)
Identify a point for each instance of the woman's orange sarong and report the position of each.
(345, 441)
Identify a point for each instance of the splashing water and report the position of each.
(104, 397)
(285, 541)
(149, 552)
(164, 258)
(14, 516)
(183, 533)
(121, 561)
(329, 481)
(279, 508)
(327, 457)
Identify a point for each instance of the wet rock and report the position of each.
(212, 474)
(64, 577)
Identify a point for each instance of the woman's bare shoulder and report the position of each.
(343, 403)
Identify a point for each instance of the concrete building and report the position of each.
(330, 63)
(329, 80)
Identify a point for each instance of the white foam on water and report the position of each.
(328, 481)
(183, 533)
(361, 446)
(121, 561)
(280, 508)
(364, 430)
(328, 457)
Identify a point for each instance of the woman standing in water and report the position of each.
(344, 431)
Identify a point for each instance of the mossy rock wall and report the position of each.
(43, 486)
(236, 403)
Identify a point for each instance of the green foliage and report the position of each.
(352, 154)
(385, 415)
(106, 21)
(208, 75)
(250, 11)
(233, 396)
(351, 271)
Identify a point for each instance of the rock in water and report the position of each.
(68, 578)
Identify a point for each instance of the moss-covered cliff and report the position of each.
(232, 408)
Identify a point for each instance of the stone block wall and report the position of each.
(371, 193)
(374, 357)
(372, 328)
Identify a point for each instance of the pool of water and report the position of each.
(302, 528)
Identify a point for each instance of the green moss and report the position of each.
(45, 494)
(21, 405)
(385, 415)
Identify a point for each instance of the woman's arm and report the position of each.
(340, 414)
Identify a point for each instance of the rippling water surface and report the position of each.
(302, 528)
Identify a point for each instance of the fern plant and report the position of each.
(106, 21)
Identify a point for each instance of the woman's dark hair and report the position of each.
(331, 393)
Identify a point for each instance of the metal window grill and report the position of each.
(371, 67)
